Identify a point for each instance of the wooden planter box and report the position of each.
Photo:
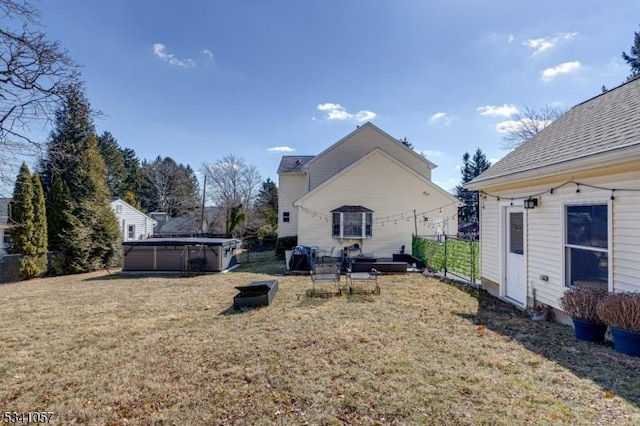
(258, 293)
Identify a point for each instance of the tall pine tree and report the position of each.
(267, 209)
(633, 57)
(29, 237)
(471, 167)
(58, 206)
(40, 240)
(88, 234)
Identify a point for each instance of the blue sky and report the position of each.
(196, 80)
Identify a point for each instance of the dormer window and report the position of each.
(352, 222)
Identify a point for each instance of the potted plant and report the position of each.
(581, 304)
(622, 312)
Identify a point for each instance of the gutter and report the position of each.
(619, 155)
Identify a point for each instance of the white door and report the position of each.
(515, 282)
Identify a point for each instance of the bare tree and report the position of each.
(169, 187)
(525, 125)
(232, 183)
(35, 74)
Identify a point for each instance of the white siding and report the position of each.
(357, 146)
(490, 239)
(290, 188)
(127, 215)
(384, 186)
(545, 234)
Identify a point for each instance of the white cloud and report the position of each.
(431, 153)
(506, 110)
(510, 39)
(441, 117)
(565, 68)
(279, 149)
(542, 44)
(338, 112)
(207, 53)
(160, 51)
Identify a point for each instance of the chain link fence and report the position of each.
(9, 268)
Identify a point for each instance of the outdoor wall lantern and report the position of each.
(530, 203)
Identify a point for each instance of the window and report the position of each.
(285, 216)
(118, 208)
(351, 222)
(587, 246)
(131, 232)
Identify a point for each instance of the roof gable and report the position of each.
(604, 124)
(129, 206)
(375, 151)
(362, 128)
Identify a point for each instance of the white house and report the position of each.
(134, 225)
(367, 189)
(5, 224)
(562, 210)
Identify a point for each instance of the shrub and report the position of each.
(582, 303)
(286, 243)
(621, 310)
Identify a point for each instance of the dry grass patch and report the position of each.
(102, 349)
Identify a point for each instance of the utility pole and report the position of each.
(204, 189)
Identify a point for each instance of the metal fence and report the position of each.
(9, 268)
(449, 255)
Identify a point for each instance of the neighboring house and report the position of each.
(5, 224)
(562, 209)
(367, 189)
(134, 225)
(168, 226)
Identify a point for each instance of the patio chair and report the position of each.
(368, 276)
(322, 274)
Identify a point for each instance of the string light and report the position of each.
(552, 190)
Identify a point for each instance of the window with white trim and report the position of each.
(118, 208)
(131, 232)
(351, 222)
(286, 216)
(586, 246)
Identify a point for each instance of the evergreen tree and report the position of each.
(114, 162)
(83, 228)
(633, 58)
(471, 167)
(90, 239)
(22, 213)
(40, 227)
(73, 127)
(29, 237)
(169, 187)
(267, 209)
(133, 178)
(58, 205)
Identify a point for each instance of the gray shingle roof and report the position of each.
(293, 163)
(601, 124)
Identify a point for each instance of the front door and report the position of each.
(515, 282)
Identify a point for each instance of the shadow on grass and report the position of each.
(599, 363)
(232, 311)
(120, 276)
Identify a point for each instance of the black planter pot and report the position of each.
(589, 331)
(626, 341)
